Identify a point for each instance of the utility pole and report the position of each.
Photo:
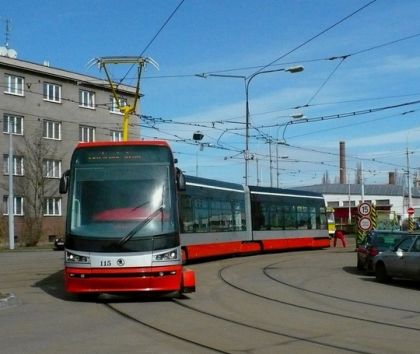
(258, 171)
(410, 201)
(363, 183)
(11, 196)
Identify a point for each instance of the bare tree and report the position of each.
(34, 186)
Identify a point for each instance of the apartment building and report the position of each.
(44, 113)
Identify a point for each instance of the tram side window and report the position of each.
(221, 216)
(290, 217)
(186, 213)
(258, 219)
(303, 217)
(272, 216)
(322, 219)
(313, 224)
(287, 214)
(238, 212)
(202, 213)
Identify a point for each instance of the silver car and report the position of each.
(402, 261)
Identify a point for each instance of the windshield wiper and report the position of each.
(139, 226)
(140, 205)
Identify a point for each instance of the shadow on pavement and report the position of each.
(53, 285)
(401, 283)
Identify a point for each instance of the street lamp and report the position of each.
(198, 136)
(247, 81)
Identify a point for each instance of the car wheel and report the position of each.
(359, 264)
(381, 273)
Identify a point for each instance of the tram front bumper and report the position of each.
(111, 280)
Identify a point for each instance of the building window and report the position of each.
(52, 168)
(113, 107)
(17, 205)
(86, 134)
(333, 204)
(116, 135)
(52, 207)
(14, 85)
(51, 130)
(15, 121)
(346, 203)
(17, 165)
(86, 99)
(383, 202)
(52, 92)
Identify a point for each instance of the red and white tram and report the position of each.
(133, 219)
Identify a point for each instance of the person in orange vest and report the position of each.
(338, 234)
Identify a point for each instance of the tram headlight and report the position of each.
(167, 256)
(76, 258)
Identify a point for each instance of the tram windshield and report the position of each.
(122, 193)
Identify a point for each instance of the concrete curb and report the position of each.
(8, 300)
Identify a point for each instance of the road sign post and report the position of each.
(364, 209)
(364, 223)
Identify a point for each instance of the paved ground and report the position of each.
(291, 302)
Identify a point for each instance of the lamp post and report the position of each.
(11, 195)
(198, 136)
(247, 81)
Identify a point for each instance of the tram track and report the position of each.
(210, 311)
(290, 337)
(283, 334)
(287, 336)
(317, 310)
(346, 299)
(127, 316)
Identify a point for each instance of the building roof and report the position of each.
(369, 189)
(60, 73)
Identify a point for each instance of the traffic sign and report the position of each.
(410, 211)
(365, 223)
(364, 209)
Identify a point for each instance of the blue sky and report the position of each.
(376, 46)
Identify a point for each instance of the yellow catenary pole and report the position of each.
(127, 109)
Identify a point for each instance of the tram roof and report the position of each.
(213, 182)
(369, 189)
(122, 143)
(256, 189)
(296, 192)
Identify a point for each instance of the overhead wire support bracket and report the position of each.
(127, 109)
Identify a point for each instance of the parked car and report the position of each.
(58, 244)
(403, 261)
(375, 242)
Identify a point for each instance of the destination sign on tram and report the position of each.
(125, 154)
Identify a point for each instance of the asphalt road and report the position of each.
(291, 302)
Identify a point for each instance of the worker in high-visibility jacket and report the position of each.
(338, 234)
